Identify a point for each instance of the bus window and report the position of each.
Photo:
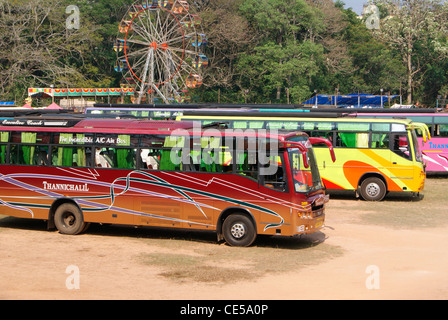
(276, 178)
(171, 154)
(22, 151)
(380, 140)
(4, 138)
(150, 158)
(352, 140)
(41, 156)
(118, 158)
(302, 177)
(246, 163)
(322, 134)
(400, 145)
(346, 140)
(70, 156)
(443, 130)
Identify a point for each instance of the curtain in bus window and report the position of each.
(211, 147)
(81, 151)
(28, 151)
(4, 137)
(362, 140)
(348, 139)
(380, 140)
(170, 159)
(65, 154)
(125, 157)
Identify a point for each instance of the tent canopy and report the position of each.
(53, 106)
(354, 99)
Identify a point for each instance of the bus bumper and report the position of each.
(313, 219)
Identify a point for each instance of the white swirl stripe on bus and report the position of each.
(84, 200)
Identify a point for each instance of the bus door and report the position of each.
(162, 203)
(401, 157)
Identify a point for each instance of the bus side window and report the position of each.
(124, 158)
(171, 155)
(272, 175)
(41, 156)
(4, 138)
(443, 130)
(246, 164)
(352, 140)
(70, 156)
(380, 140)
(400, 145)
(346, 140)
(150, 159)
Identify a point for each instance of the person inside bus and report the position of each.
(100, 159)
(150, 160)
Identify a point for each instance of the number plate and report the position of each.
(319, 223)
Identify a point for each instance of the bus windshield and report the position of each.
(306, 177)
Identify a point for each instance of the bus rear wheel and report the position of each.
(373, 189)
(238, 230)
(69, 219)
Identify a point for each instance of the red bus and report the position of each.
(73, 172)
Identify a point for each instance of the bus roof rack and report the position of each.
(256, 113)
(376, 110)
(200, 106)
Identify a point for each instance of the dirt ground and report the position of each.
(403, 240)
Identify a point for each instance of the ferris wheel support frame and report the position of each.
(163, 72)
(149, 66)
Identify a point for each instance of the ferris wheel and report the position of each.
(160, 50)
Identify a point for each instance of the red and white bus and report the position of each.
(73, 172)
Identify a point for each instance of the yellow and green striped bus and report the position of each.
(373, 156)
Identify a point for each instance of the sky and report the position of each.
(356, 5)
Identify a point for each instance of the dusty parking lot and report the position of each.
(396, 249)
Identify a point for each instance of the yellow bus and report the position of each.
(373, 156)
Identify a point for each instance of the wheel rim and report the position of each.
(373, 189)
(238, 230)
(68, 219)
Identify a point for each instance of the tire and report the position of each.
(373, 189)
(238, 230)
(69, 219)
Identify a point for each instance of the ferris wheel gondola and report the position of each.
(161, 47)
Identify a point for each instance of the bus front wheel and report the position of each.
(69, 219)
(238, 230)
(373, 189)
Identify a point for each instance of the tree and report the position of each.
(417, 30)
(287, 54)
(38, 50)
(375, 65)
